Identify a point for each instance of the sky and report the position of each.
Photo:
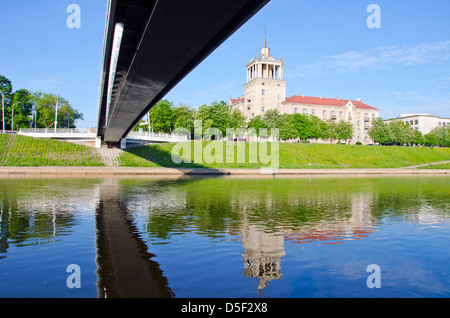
(327, 47)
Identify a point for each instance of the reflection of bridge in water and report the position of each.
(125, 268)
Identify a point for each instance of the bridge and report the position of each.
(90, 136)
(150, 46)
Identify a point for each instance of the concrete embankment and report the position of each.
(178, 172)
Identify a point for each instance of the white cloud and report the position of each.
(384, 57)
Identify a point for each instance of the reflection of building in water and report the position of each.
(338, 230)
(262, 255)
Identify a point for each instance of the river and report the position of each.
(225, 237)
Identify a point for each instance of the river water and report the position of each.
(225, 237)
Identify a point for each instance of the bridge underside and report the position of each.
(151, 45)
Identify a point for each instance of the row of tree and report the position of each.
(398, 133)
(164, 117)
(25, 109)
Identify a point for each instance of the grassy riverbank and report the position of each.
(298, 156)
(16, 150)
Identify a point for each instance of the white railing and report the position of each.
(156, 136)
(58, 130)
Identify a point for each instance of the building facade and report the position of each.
(422, 122)
(265, 90)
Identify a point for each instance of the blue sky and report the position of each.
(328, 50)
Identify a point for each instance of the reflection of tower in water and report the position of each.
(262, 254)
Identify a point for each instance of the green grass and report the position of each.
(297, 156)
(17, 150)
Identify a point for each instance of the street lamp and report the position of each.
(3, 111)
(56, 115)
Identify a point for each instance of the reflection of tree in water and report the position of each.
(266, 213)
(34, 211)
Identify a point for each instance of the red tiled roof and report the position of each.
(232, 101)
(324, 101)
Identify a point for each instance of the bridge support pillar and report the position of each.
(123, 143)
(98, 142)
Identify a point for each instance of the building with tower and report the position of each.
(265, 89)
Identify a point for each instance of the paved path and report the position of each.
(426, 164)
(110, 156)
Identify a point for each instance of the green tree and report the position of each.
(419, 139)
(22, 104)
(216, 115)
(380, 132)
(399, 132)
(344, 131)
(183, 118)
(331, 133)
(287, 127)
(237, 119)
(272, 118)
(5, 90)
(256, 123)
(161, 116)
(304, 126)
(318, 128)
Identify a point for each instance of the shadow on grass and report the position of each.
(158, 156)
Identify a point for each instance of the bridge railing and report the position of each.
(157, 136)
(57, 131)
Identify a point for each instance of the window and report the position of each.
(373, 116)
(357, 123)
(313, 112)
(333, 113)
(263, 92)
(417, 121)
(324, 112)
(295, 110)
(411, 122)
(341, 114)
(305, 111)
(262, 101)
(262, 109)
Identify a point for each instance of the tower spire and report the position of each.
(265, 38)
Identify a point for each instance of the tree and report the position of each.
(332, 130)
(439, 136)
(5, 89)
(304, 126)
(216, 115)
(419, 139)
(287, 127)
(272, 118)
(399, 132)
(161, 116)
(45, 106)
(183, 118)
(380, 132)
(344, 131)
(237, 119)
(22, 104)
(318, 128)
(256, 123)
